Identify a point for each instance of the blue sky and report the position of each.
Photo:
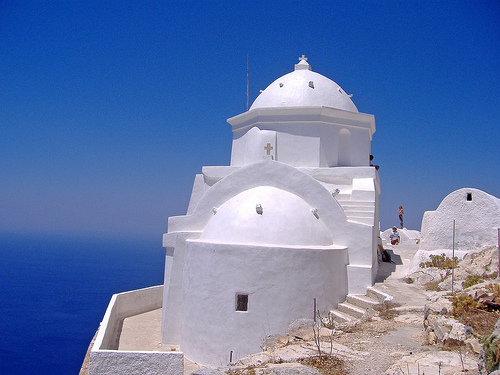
(108, 109)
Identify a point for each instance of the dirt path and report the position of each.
(392, 342)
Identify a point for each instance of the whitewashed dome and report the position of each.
(282, 219)
(304, 88)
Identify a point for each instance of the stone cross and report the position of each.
(303, 58)
(268, 148)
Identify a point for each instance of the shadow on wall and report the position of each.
(386, 268)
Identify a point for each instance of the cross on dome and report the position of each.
(303, 64)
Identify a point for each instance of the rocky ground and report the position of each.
(414, 333)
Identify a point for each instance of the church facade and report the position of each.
(292, 219)
(477, 218)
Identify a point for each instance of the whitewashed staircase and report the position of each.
(356, 306)
(358, 211)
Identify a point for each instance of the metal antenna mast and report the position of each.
(247, 82)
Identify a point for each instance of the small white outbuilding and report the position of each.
(477, 219)
(292, 219)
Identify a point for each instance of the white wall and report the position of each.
(281, 283)
(105, 359)
(111, 362)
(302, 136)
(476, 221)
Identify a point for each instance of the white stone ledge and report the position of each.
(104, 362)
(104, 356)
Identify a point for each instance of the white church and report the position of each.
(292, 220)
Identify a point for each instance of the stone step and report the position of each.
(364, 302)
(349, 309)
(355, 306)
(359, 213)
(343, 197)
(341, 317)
(378, 295)
(362, 220)
(354, 204)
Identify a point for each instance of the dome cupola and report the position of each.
(304, 88)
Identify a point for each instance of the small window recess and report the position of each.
(469, 197)
(241, 302)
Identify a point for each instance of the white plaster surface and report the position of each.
(281, 283)
(293, 218)
(284, 223)
(302, 136)
(111, 362)
(105, 358)
(286, 219)
(476, 221)
(123, 305)
(303, 88)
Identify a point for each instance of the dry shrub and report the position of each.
(386, 309)
(472, 312)
(432, 285)
(481, 321)
(472, 280)
(326, 364)
(463, 303)
(408, 280)
(250, 370)
(494, 288)
(440, 261)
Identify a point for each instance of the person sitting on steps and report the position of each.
(394, 236)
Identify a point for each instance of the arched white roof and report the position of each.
(304, 88)
(282, 218)
(476, 215)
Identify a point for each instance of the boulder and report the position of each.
(489, 355)
(424, 276)
(445, 285)
(482, 262)
(457, 335)
(439, 362)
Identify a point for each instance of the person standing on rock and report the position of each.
(401, 213)
(394, 236)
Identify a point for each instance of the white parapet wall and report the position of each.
(105, 358)
(114, 362)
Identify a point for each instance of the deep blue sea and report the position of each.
(55, 290)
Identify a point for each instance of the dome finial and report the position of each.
(302, 65)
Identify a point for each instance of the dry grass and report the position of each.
(432, 286)
(441, 261)
(481, 321)
(326, 364)
(476, 314)
(250, 370)
(386, 310)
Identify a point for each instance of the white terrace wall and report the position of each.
(104, 356)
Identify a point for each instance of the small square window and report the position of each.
(242, 302)
(469, 196)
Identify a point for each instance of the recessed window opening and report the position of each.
(469, 196)
(242, 302)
